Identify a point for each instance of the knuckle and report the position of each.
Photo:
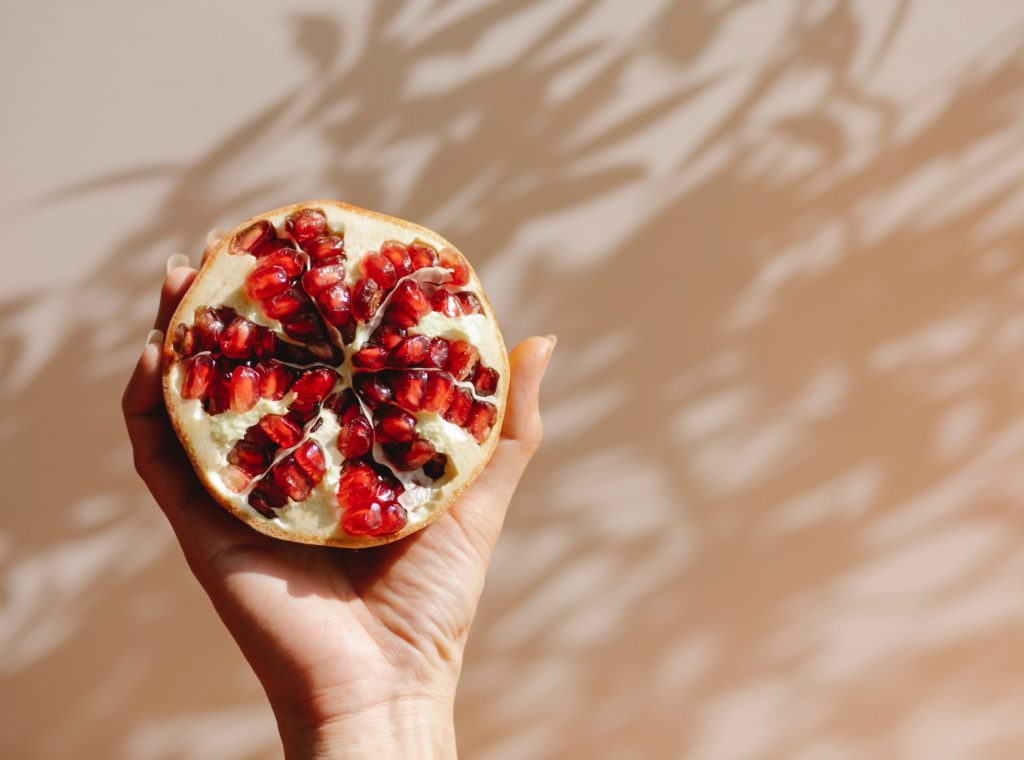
(534, 435)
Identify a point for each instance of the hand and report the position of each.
(357, 651)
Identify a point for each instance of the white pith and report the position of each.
(211, 437)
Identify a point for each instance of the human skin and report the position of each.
(359, 652)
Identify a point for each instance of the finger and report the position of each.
(152, 439)
(202, 529)
(179, 276)
(213, 237)
(481, 510)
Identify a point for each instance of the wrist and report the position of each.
(409, 727)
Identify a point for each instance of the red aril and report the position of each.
(421, 255)
(398, 255)
(462, 359)
(392, 425)
(379, 268)
(445, 302)
(453, 262)
(266, 282)
(311, 389)
(245, 389)
(198, 376)
(355, 438)
(307, 224)
(281, 430)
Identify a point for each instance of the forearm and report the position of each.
(408, 728)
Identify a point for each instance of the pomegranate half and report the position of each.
(335, 375)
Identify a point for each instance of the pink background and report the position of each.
(777, 513)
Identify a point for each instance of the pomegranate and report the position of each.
(335, 375)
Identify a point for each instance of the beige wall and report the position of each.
(778, 510)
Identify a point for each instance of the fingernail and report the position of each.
(553, 340)
(155, 336)
(214, 235)
(176, 260)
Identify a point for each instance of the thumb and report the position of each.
(481, 510)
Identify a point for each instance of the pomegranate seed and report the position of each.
(281, 430)
(348, 332)
(434, 469)
(446, 303)
(408, 389)
(422, 255)
(458, 409)
(397, 254)
(470, 303)
(307, 224)
(267, 497)
(286, 258)
(313, 386)
(393, 518)
(386, 492)
(234, 478)
(355, 437)
(437, 396)
(335, 303)
(410, 352)
(301, 413)
(219, 397)
(411, 296)
(411, 456)
(238, 338)
(370, 357)
(207, 328)
(322, 277)
(245, 389)
(340, 403)
(198, 376)
(438, 353)
(408, 304)
(380, 269)
(366, 299)
(453, 261)
(462, 359)
(394, 426)
(314, 353)
(184, 344)
(251, 459)
(356, 485)
(310, 457)
(362, 522)
(304, 325)
(292, 479)
(266, 282)
(284, 304)
(325, 249)
(267, 248)
(248, 238)
(372, 389)
(266, 342)
(276, 380)
(388, 336)
(481, 419)
(485, 380)
(258, 438)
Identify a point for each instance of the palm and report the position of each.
(399, 612)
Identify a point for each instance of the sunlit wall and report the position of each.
(777, 513)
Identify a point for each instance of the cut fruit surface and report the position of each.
(335, 375)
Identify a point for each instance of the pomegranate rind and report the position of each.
(216, 276)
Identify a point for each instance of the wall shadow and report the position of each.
(778, 486)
